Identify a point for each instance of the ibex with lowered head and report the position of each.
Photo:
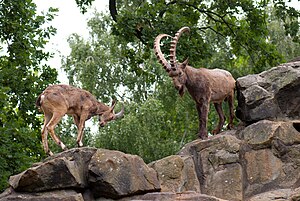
(58, 100)
(204, 85)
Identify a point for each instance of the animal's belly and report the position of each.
(221, 90)
(215, 98)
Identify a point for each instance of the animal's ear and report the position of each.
(113, 104)
(185, 63)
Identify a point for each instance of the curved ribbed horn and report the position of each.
(120, 114)
(158, 52)
(174, 44)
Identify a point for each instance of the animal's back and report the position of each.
(63, 89)
(222, 84)
(65, 97)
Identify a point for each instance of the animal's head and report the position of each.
(179, 76)
(175, 69)
(110, 115)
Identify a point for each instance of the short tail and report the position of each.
(38, 102)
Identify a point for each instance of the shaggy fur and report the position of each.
(204, 85)
(58, 100)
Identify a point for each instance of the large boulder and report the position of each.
(169, 196)
(65, 170)
(272, 94)
(265, 133)
(218, 165)
(114, 174)
(176, 174)
(83, 174)
(54, 174)
(279, 195)
(270, 156)
(56, 195)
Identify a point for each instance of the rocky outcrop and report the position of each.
(258, 161)
(99, 174)
(218, 166)
(93, 172)
(279, 194)
(272, 156)
(272, 94)
(169, 196)
(262, 158)
(114, 174)
(55, 195)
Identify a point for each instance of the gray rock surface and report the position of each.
(260, 161)
(114, 174)
(272, 94)
(218, 165)
(176, 174)
(56, 195)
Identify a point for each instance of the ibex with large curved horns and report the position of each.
(58, 100)
(204, 85)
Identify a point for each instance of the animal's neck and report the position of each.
(101, 108)
(189, 76)
(196, 81)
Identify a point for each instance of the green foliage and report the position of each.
(156, 128)
(118, 61)
(242, 36)
(148, 130)
(104, 64)
(286, 45)
(22, 77)
(242, 24)
(84, 4)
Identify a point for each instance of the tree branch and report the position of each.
(113, 12)
(161, 13)
(113, 9)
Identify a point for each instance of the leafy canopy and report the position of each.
(22, 76)
(239, 27)
(117, 61)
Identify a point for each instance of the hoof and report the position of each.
(215, 131)
(230, 126)
(50, 153)
(79, 144)
(203, 137)
(63, 147)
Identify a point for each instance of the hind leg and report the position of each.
(45, 134)
(230, 100)
(50, 127)
(220, 112)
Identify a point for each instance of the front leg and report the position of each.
(203, 108)
(80, 126)
(80, 134)
(81, 123)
